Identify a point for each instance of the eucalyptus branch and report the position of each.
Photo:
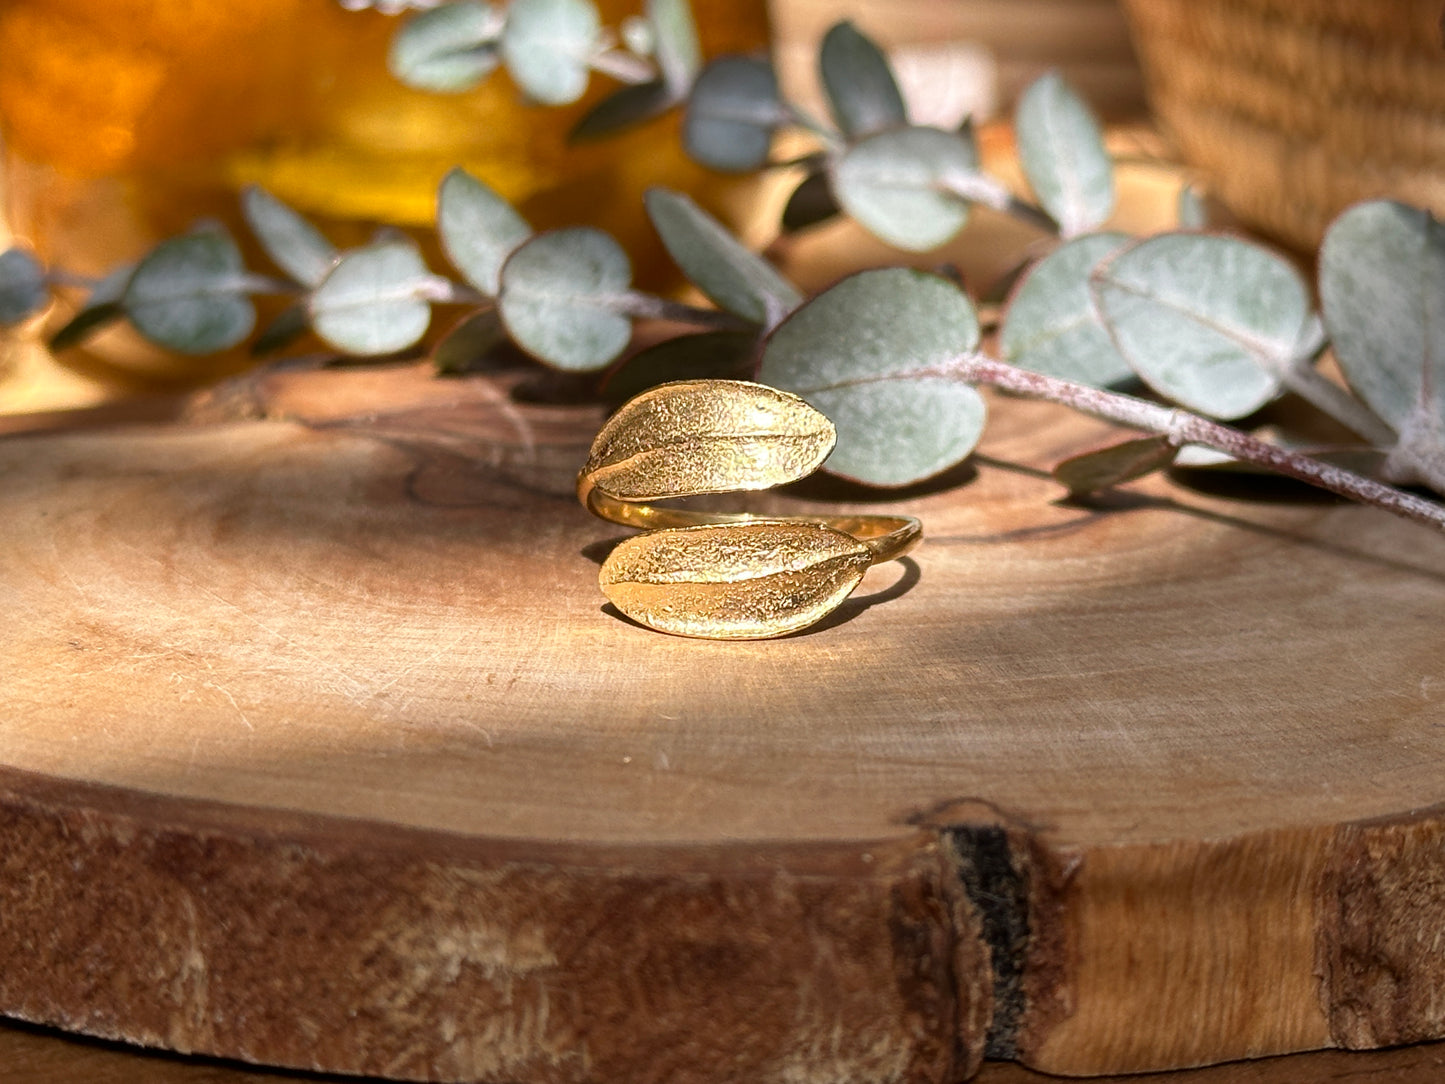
(1182, 427)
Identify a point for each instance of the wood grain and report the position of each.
(321, 749)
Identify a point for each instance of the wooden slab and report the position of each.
(321, 749)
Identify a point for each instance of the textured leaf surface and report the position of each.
(1062, 151)
(861, 90)
(732, 113)
(707, 436)
(294, 244)
(862, 352)
(547, 46)
(894, 185)
(1052, 325)
(1382, 284)
(1208, 321)
(188, 294)
(745, 581)
(448, 49)
(375, 300)
(478, 228)
(559, 298)
(739, 281)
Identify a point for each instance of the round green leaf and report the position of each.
(675, 43)
(894, 185)
(560, 298)
(1051, 325)
(868, 353)
(447, 49)
(294, 244)
(1382, 286)
(862, 92)
(735, 279)
(189, 294)
(22, 285)
(375, 300)
(1208, 321)
(102, 307)
(732, 113)
(547, 46)
(478, 228)
(1063, 156)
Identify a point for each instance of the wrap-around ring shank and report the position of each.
(887, 537)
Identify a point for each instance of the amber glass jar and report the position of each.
(125, 120)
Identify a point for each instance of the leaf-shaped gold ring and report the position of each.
(725, 576)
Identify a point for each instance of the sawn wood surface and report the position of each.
(321, 749)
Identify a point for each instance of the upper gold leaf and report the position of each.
(707, 436)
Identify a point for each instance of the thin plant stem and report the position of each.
(1181, 428)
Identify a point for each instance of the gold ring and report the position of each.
(719, 575)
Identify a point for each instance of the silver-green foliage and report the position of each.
(1211, 322)
(1063, 156)
(872, 354)
(189, 293)
(376, 299)
(562, 298)
(1382, 286)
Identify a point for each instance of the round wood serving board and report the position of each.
(320, 748)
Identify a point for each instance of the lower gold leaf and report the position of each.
(745, 581)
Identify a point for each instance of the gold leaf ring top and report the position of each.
(725, 576)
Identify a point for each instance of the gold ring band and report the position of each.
(721, 575)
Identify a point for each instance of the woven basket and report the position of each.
(1295, 109)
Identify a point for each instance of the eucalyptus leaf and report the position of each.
(375, 300)
(709, 355)
(468, 344)
(548, 45)
(1051, 324)
(1062, 152)
(732, 113)
(1382, 286)
(451, 48)
(1206, 320)
(23, 291)
(675, 44)
(478, 229)
(294, 244)
(1122, 462)
(560, 298)
(870, 353)
(623, 108)
(895, 185)
(736, 280)
(102, 307)
(290, 324)
(861, 90)
(189, 294)
(810, 204)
